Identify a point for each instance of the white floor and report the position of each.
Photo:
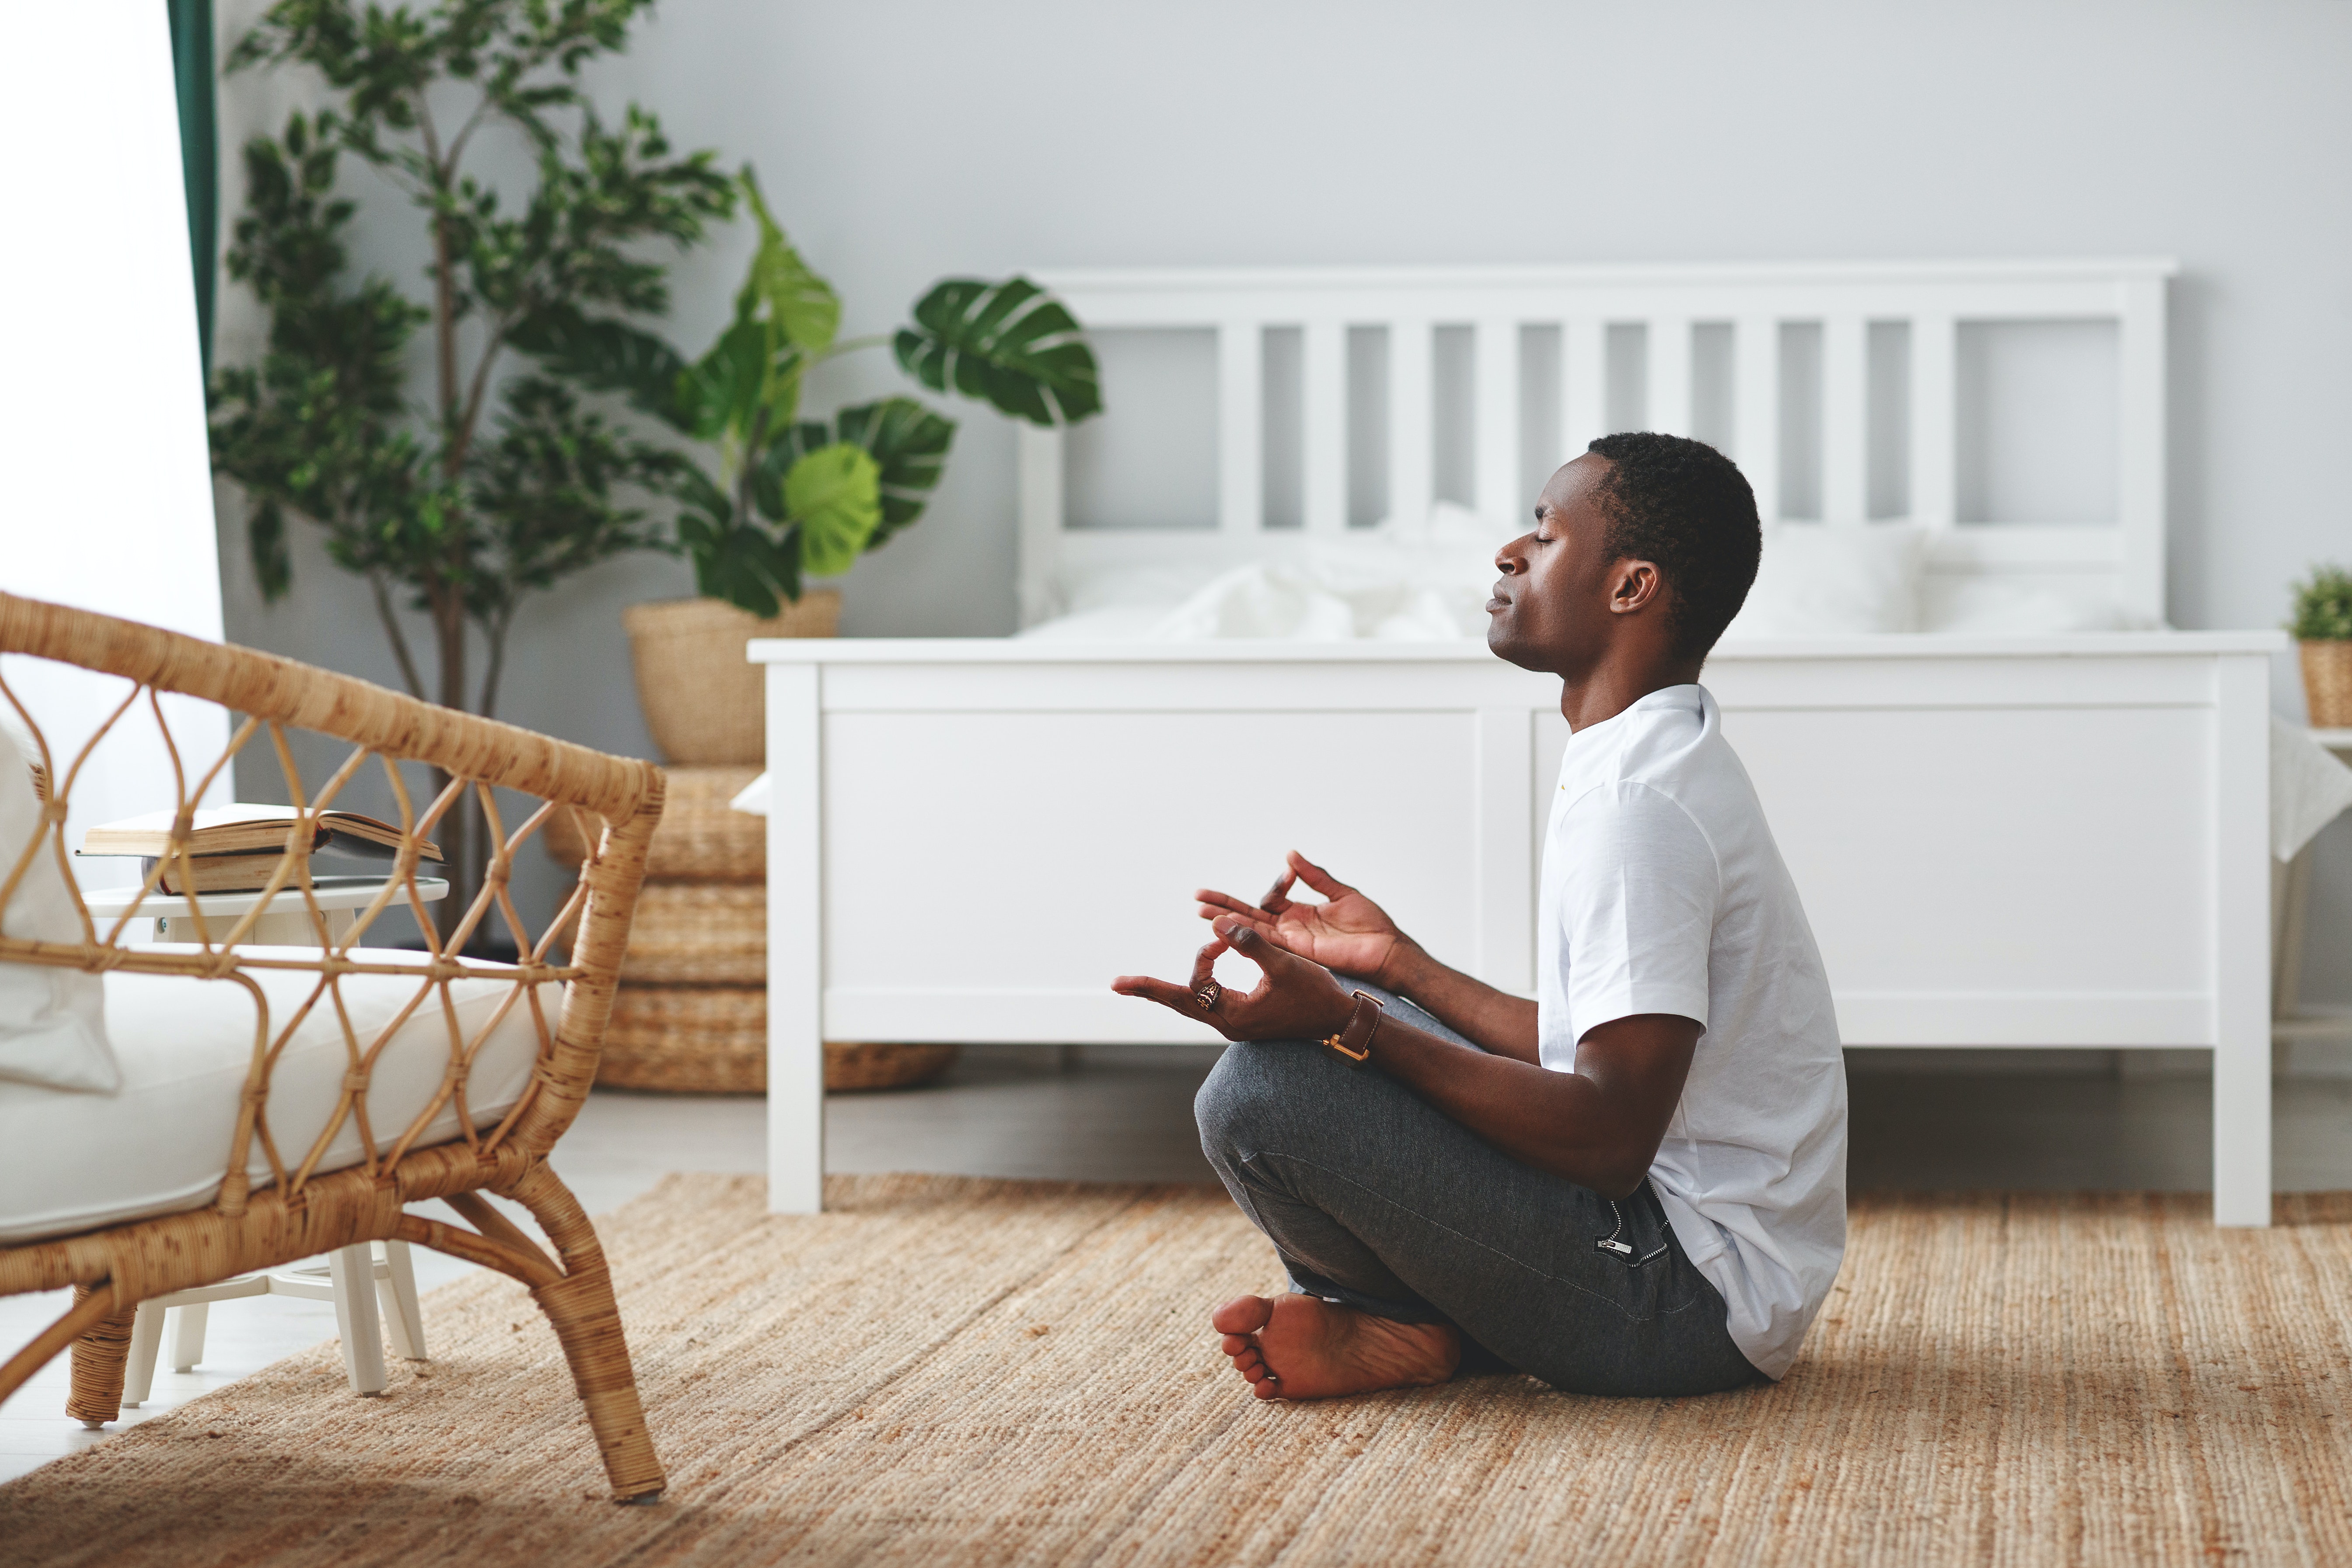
(1125, 1115)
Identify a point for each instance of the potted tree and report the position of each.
(777, 499)
(464, 495)
(2323, 633)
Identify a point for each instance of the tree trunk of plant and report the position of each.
(456, 831)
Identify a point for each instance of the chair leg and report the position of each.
(397, 1293)
(588, 1321)
(353, 1269)
(188, 1335)
(96, 1394)
(146, 1339)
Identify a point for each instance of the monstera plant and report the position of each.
(785, 498)
(774, 497)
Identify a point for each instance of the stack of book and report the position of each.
(239, 848)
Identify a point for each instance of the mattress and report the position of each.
(75, 1161)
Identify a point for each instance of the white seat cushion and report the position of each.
(52, 1020)
(75, 1162)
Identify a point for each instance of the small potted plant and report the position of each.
(785, 499)
(2323, 633)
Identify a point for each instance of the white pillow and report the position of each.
(1988, 606)
(1822, 579)
(52, 1020)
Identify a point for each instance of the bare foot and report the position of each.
(1303, 1347)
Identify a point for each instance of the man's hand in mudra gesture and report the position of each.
(1349, 932)
(1295, 998)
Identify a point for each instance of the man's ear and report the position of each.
(1637, 587)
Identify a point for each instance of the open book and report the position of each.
(236, 848)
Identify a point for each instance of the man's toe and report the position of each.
(1243, 1315)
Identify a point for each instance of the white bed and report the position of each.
(2039, 840)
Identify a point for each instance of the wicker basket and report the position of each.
(698, 933)
(700, 697)
(2328, 683)
(700, 840)
(690, 1040)
(714, 1040)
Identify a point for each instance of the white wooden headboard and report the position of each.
(2123, 558)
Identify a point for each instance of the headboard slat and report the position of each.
(1669, 377)
(1845, 418)
(1584, 382)
(1935, 430)
(1496, 342)
(1412, 407)
(1326, 426)
(1240, 426)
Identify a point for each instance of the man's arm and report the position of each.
(1350, 933)
(1498, 1021)
(1598, 1126)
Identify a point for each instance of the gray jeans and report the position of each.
(1376, 1199)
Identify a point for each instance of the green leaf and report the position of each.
(1009, 343)
(784, 449)
(798, 300)
(265, 535)
(607, 356)
(910, 444)
(723, 389)
(834, 497)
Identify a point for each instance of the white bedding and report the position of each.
(1430, 583)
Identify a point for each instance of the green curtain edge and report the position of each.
(191, 70)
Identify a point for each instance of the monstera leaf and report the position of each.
(833, 496)
(799, 302)
(910, 444)
(747, 369)
(908, 441)
(1010, 343)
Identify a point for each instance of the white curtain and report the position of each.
(105, 486)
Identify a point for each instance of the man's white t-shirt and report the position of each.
(1663, 892)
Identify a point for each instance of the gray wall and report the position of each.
(903, 139)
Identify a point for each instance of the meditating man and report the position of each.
(1633, 1185)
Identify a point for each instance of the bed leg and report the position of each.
(795, 943)
(2242, 942)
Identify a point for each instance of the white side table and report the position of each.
(287, 924)
(353, 1275)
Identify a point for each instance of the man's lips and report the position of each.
(1500, 601)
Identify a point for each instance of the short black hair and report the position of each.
(1686, 507)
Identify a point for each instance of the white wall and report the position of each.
(102, 406)
(904, 139)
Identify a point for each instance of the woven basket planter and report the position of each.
(701, 839)
(698, 933)
(714, 1040)
(700, 697)
(2328, 683)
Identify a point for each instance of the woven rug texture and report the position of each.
(945, 1370)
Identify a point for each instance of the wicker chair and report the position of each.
(300, 1210)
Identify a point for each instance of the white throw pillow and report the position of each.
(52, 1020)
(1822, 579)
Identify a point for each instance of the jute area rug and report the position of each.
(956, 1371)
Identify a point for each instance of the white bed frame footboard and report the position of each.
(2059, 843)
